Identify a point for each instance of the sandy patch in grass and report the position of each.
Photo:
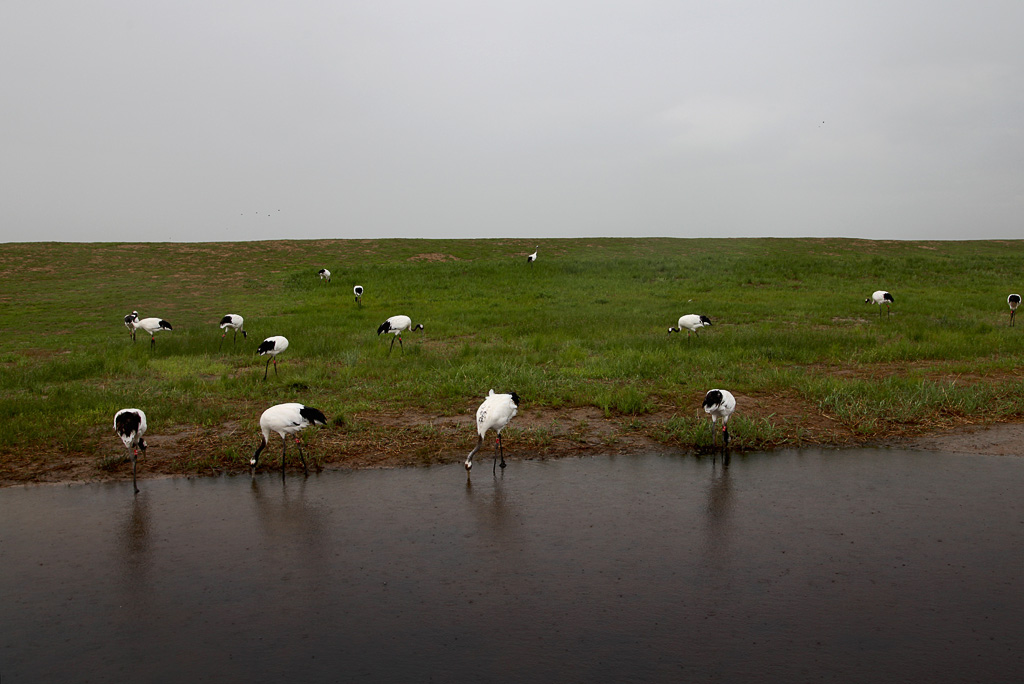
(433, 257)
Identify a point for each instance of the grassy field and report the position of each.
(581, 336)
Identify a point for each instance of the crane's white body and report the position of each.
(533, 257)
(881, 297)
(272, 346)
(286, 419)
(719, 403)
(235, 322)
(358, 292)
(130, 426)
(494, 414)
(324, 274)
(151, 326)
(691, 323)
(395, 325)
(1014, 301)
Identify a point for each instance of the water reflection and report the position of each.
(720, 501)
(133, 539)
(716, 552)
(491, 505)
(598, 569)
(134, 544)
(287, 512)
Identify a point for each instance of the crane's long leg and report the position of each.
(501, 448)
(152, 341)
(725, 435)
(392, 347)
(284, 445)
(267, 369)
(275, 366)
(497, 445)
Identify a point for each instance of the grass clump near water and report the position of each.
(584, 328)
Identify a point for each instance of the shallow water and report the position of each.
(867, 565)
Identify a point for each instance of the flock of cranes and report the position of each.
(495, 413)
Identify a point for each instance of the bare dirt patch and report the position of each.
(433, 257)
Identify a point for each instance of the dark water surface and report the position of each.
(854, 566)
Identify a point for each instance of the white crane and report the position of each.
(152, 326)
(494, 414)
(358, 292)
(286, 419)
(130, 426)
(235, 322)
(692, 323)
(272, 346)
(129, 320)
(324, 274)
(533, 257)
(1014, 301)
(720, 404)
(395, 325)
(881, 297)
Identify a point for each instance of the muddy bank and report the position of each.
(416, 439)
(1005, 439)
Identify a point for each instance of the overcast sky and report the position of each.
(205, 120)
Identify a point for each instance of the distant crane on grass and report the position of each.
(235, 322)
(152, 326)
(691, 323)
(128, 323)
(272, 346)
(395, 325)
(881, 297)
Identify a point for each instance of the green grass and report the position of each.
(585, 326)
